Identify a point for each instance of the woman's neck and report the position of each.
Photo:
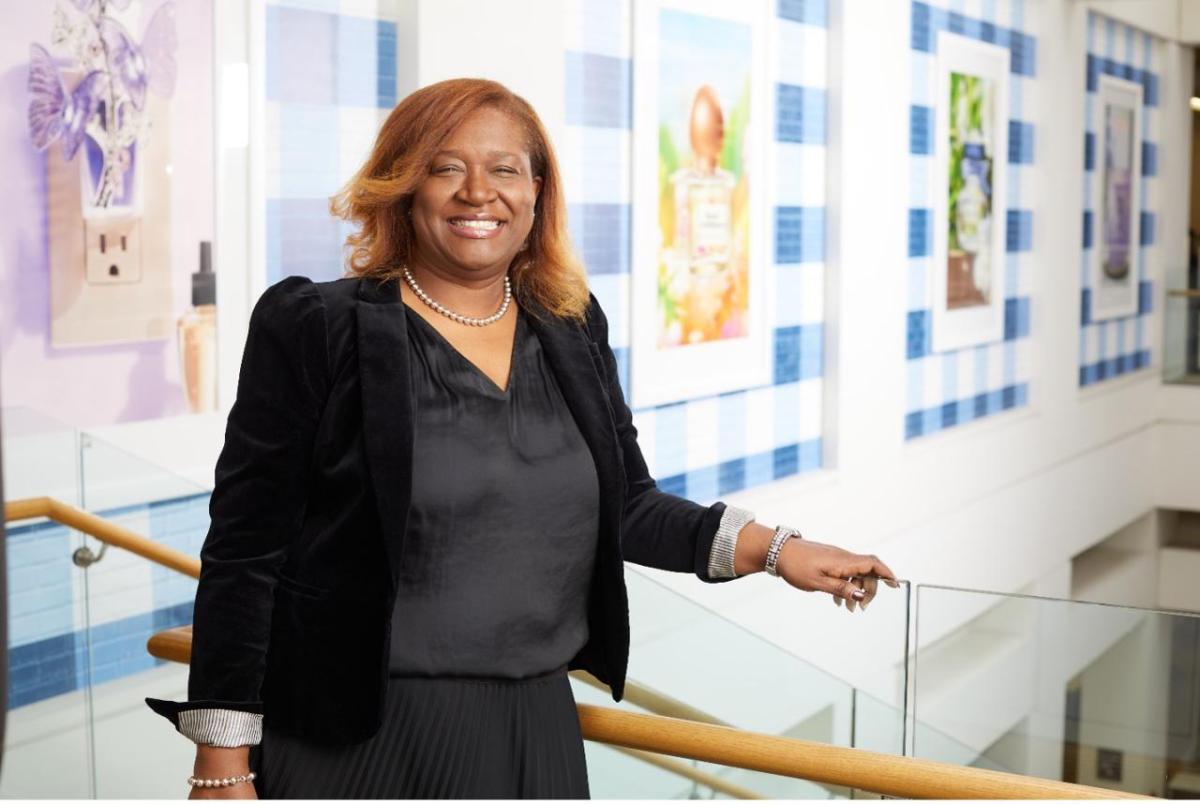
(472, 295)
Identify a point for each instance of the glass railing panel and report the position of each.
(80, 615)
(1181, 337)
(40, 457)
(129, 598)
(47, 740)
(703, 659)
(47, 749)
(1080, 692)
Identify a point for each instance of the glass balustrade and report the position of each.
(129, 598)
(48, 745)
(1088, 693)
(703, 659)
(1181, 338)
(80, 615)
(1081, 692)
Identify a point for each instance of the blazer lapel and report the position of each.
(387, 407)
(569, 352)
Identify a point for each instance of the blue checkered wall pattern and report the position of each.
(331, 80)
(707, 447)
(1114, 347)
(58, 637)
(947, 389)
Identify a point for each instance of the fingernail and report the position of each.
(857, 594)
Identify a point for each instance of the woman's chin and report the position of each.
(482, 260)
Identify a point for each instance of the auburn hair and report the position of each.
(379, 196)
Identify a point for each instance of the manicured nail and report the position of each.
(857, 594)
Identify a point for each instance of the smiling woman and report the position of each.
(428, 490)
(434, 184)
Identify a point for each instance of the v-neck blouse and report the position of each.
(504, 519)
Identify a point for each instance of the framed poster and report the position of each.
(970, 209)
(701, 224)
(1116, 198)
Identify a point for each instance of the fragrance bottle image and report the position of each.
(704, 238)
(973, 212)
(198, 338)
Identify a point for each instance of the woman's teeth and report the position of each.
(474, 224)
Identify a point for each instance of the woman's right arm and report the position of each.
(256, 509)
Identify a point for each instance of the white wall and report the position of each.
(996, 504)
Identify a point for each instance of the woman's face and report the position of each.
(473, 211)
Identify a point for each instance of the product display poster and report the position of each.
(112, 134)
(1116, 199)
(701, 239)
(970, 213)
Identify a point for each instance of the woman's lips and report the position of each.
(475, 228)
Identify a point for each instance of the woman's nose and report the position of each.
(477, 188)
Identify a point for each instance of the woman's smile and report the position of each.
(476, 227)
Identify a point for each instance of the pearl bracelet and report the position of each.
(226, 782)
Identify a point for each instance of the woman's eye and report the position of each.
(506, 169)
(445, 169)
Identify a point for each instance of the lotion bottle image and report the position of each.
(198, 338)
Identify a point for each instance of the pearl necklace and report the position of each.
(462, 319)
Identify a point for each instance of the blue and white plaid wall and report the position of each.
(704, 448)
(59, 636)
(1118, 346)
(951, 388)
(331, 81)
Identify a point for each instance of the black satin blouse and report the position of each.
(503, 528)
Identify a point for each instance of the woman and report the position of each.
(429, 483)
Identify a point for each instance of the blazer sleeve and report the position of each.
(258, 500)
(658, 529)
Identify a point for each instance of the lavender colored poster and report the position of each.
(108, 311)
(1116, 198)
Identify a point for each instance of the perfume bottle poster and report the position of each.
(704, 92)
(1116, 199)
(971, 166)
(701, 240)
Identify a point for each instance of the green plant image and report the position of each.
(966, 115)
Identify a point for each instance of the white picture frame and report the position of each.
(968, 285)
(664, 373)
(1117, 123)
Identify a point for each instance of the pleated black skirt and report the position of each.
(442, 738)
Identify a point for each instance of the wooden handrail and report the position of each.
(652, 701)
(1180, 293)
(904, 777)
(102, 529)
(896, 776)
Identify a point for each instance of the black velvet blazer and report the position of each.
(298, 571)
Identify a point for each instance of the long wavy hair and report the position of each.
(379, 196)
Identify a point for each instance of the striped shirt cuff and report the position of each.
(720, 556)
(224, 728)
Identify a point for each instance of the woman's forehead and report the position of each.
(490, 129)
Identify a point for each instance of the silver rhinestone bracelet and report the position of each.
(782, 534)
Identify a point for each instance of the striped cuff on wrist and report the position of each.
(720, 556)
(224, 728)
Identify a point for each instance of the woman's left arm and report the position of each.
(717, 542)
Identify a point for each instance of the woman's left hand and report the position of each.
(817, 567)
